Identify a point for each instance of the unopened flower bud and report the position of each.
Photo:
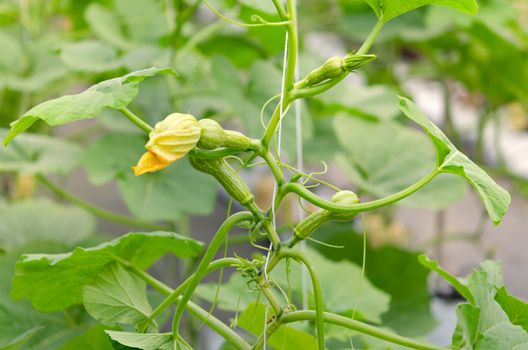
(174, 136)
(331, 69)
(171, 139)
(149, 163)
(214, 136)
(353, 61)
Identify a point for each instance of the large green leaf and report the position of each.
(114, 93)
(387, 268)
(285, 338)
(167, 194)
(117, 297)
(374, 102)
(485, 323)
(22, 339)
(94, 338)
(55, 281)
(48, 221)
(450, 160)
(112, 156)
(89, 56)
(388, 9)
(105, 25)
(39, 154)
(382, 168)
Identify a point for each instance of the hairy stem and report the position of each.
(99, 212)
(206, 260)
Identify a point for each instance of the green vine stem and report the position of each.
(318, 293)
(308, 315)
(99, 212)
(210, 253)
(356, 208)
(215, 324)
(364, 49)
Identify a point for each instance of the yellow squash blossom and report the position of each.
(171, 139)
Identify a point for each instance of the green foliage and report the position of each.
(43, 278)
(49, 222)
(116, 93)
(450, 160)
(487, 321)
(382, 168)
(388, 9)
(115, 296)
(38, 154)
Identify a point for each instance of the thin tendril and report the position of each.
(363, 264)
(264, 108)
(263, 22)
(325, 244)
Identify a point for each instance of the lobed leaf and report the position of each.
(450, 160)
(49, 222)
(117, 297)
(382, 168)
(488, 321)
(55, 281)
(39, 154)
(115, 93)
(389, 9)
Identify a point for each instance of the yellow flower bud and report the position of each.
(149, 163)
(173, 137)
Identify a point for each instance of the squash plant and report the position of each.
(110, 280)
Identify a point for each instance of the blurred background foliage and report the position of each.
(477, 65)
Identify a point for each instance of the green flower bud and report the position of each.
(331, 69)
(353, 61)
(315, 220)
(214, 136)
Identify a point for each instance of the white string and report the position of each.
(275, 187)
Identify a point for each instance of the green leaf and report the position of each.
(388, 9)
(144, 19)
(112, 156)
(114, 93)
(383, 168)
(105, 25)
(516, 309)
(89, 56)
(485, 323)
(55, 281)
(117, 297)
(459, 284)
(374, 102)
(285, 338)
(51, 222)
(165, 195)
(163, 341)
(450, 160)
(94, 338)
(387, 268)
(21, 339)
(39, 154)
